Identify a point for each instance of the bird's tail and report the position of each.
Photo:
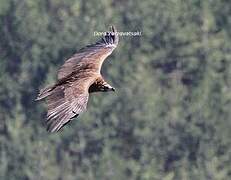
(43, 93)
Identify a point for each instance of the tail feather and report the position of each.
(44, 92)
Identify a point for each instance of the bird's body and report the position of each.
(79, 76)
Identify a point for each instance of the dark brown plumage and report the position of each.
(79, 76)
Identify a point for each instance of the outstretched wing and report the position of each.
(91, 57)
(67, 102)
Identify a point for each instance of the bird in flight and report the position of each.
(77, 78)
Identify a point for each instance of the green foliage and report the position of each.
(170, 116)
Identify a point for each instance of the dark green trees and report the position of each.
(170, 116)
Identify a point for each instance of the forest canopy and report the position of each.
(170, 116)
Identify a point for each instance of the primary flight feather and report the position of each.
(79, 76)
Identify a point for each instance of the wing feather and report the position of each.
(93, 54)
(66, 103)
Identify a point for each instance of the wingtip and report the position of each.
(114, 34)
(113, 29)
(37, 98)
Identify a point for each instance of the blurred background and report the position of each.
(170, 116)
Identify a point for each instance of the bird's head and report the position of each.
(107, 88)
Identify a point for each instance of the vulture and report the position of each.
(77, 78)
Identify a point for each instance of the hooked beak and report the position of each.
(113, 89)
